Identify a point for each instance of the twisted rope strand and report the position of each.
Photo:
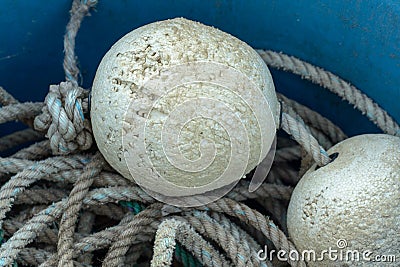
(164, 245)
(6, 98)
(315, 120)
(15, 164)
(19, 138)
(238, 232)
(115, 255)
(300, 133)
(36, 151)
(32, 256)
(20, 181)
(74, 203)
(257, 220)
(40, 196)
(79, 10)
(236, 246)
(241, 192)
(26, 234)
(19, 111)
(334, 84)
(93, 242)
(46, 235)
(110, 210)
(85, 226)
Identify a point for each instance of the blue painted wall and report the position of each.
(358, 40)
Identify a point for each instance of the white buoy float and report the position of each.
(351, 204)
(177, 104)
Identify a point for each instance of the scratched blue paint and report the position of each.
(358, 40)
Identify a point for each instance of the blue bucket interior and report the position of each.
(357, 40)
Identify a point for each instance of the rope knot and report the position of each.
(63, 119)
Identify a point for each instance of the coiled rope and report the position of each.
(61, 204)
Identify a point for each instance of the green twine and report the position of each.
(186, 258)
(135, 207)
(181, 254)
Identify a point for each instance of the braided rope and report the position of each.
(322, 139)
(7, 99)
(164, 243)
(180, 254)
(277, 209)
(230, 226)
(110, 210)
(13, 165)
(186, 258)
